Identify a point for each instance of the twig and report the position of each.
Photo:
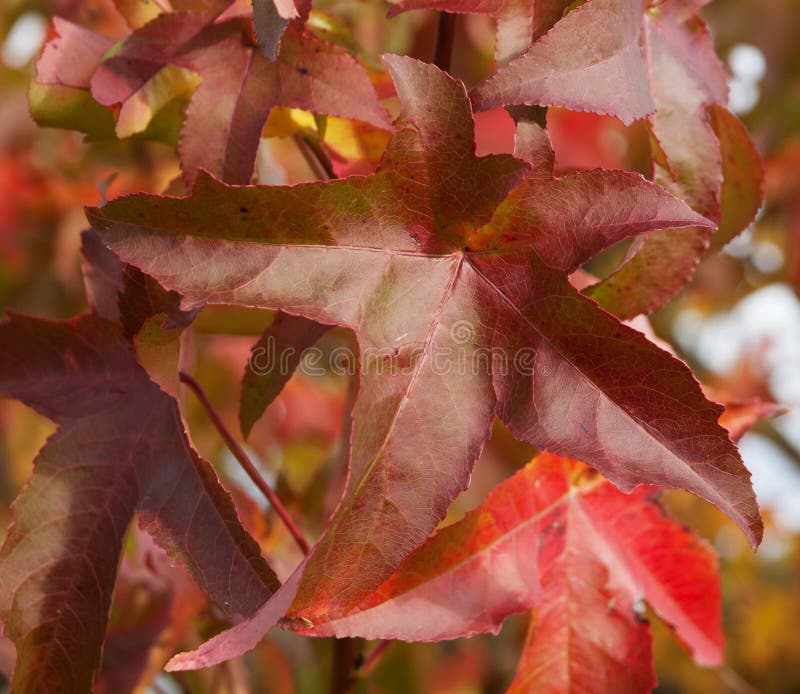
(372, 659)
(315, 157)
(344, 659)
(445, 35)
(245, 462)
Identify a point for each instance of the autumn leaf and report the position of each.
(442, 253)
(59, 93)
(222, 137)
(607, 553)
(559, 538)
(739, 417)
(664, 55)
(186, 56)
(701, 152)
(120, 449)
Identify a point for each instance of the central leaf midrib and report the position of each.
(446, 294)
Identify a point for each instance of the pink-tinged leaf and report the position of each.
(580, 64)
(59, 93)
(686, 153)
(120, 447)
(532, 144)
(238, 85)
(71, 58)
(687, 159)
(272, 362)
(244, 636)
(440, 253)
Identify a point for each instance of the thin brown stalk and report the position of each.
(372, 659)
(245, 462)
(445, 35)
(316, 158)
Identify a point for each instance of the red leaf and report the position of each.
(739, 417)
(219, 134)
(664, 55)
(440, 250)
(562, 539)
(71, 58)
(665, 261)
(243, 637)
(120, 447)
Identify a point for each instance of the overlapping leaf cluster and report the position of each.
(453, 268)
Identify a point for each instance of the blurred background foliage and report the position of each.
(737, 324)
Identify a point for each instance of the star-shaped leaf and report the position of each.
(215, 66)
(664, 56)
(453, 272)
(559, 538)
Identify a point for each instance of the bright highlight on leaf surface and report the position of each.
(437, 253)
(559, 538)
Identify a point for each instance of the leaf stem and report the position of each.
(445, 34)
(372, 659)
(245, 462)
(344, 658)
(315, 157)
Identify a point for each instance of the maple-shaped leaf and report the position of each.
(452, 271)
(702, 153)
(221, 135)
(120, 447)
(559, 538)
(605, 553)
(187, 56)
